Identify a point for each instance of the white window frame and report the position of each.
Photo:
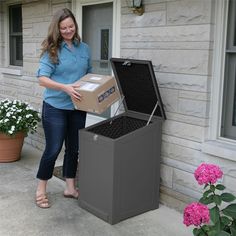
(215, 144)
(7, 68)
(11, 35)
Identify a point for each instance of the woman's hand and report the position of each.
(71, 89)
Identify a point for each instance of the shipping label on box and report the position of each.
(98, 92)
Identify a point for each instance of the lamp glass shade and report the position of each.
(137, 3)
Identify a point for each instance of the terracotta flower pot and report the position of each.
(11, 146)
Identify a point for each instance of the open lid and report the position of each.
(137, 83)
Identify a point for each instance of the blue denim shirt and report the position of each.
(72, 64)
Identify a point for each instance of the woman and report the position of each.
(64, 60)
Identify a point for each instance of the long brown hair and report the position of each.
(53, 41)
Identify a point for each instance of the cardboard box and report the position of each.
(98, 92)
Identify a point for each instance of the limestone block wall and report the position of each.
(178, 37)
(1, 34)
(21, 83)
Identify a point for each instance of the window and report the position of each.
(228, 126)
(105, 44)
(104, 52)
(220, 141)
(15, 35)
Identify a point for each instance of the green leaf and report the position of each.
(218, 226)
(230, 210)
(217, 199)
(215, 214)
(202, 199)
(206, 228)
(233, 231)
(234, 223)
(206, 193)
(227, 197)
(199, 232)
(207, 200)
(215, 228)
(222, 233)
(212, 233)
(212, 187)
(225, 220)
(220, 187)
(196, 231)
(202, 234)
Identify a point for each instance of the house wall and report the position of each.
(21, 82)
(178, 36)
(1, 34)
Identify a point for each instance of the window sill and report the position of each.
(11, 70)
(221, 149)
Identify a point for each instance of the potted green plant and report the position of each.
(17, 119)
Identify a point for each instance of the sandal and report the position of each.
(75, 195)
(42, 201)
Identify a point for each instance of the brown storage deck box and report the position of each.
(119, 167)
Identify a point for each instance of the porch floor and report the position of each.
(21, 217)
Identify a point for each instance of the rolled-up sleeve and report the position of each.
(46, 67)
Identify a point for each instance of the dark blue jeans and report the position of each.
(60, 126)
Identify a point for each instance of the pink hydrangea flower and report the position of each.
(196, 214)
(207, 174)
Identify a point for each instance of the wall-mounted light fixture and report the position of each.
(137, 7)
